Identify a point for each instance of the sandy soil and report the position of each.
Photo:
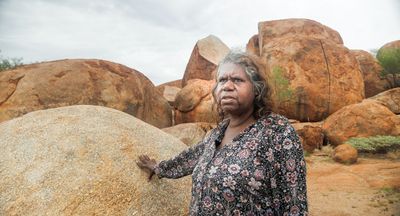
(369, 187)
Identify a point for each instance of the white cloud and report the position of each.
(156, 37)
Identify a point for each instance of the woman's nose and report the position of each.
(228, 85)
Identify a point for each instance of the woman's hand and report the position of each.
(147, 164)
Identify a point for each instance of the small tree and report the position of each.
(9, 63)
(389, 58)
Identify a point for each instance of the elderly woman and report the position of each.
(252, 163)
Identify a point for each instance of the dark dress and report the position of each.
(260, 172)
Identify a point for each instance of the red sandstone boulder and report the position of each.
(311, 135)
(345, 153)
(203, 112)
(175, 83)
(370, 68)
(206, 55)
(288, 28)
(312, 78)
(72, 82)
(360, 120)
(389, 99)
(253, 46)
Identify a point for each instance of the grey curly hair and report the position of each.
(255, 71)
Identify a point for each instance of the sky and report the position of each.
(156, 37)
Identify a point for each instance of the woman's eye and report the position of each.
(222, 80)
(236, 80)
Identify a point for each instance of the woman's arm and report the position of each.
(288, 179)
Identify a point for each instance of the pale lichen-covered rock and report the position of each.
(206, 55)
(80, 160)
(81, 82)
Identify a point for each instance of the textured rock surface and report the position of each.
(253, 46)
(389, 99)
(204, 59)
(72, 82)
(286, 28)
(360, 120)
(170, 93)
(80, 160)
(345, 153)
(190, 133)
(311, 135)
(312, 78)
(203, 112)
(370, 69)
(175, 83)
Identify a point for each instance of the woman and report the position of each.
(252, 163)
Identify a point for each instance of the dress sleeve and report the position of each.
(288, 176)
(182, 164)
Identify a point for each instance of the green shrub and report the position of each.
(375, 144)
(389, 59)
(9, 63)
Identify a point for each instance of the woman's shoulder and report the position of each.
(275, 119)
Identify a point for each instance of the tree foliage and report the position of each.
(389, 58)
(9, 63)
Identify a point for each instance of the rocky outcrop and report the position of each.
(206, 55)
(345, 153)
(190, 133)
(389, 99)
(73, 82)
(289, 28)
(175, 83)
(370, 68)
(311, 135)
(360, 120)
(194, 103)
(253, 46)
(80, 160)
(312, 78)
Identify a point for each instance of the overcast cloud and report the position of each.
(156, 37)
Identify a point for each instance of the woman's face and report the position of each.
(234, 91)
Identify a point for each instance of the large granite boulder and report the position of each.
(364, 119)
(194, 103)
(389, 53)
(312, 78)
(371, 69)
(73, 82)
(206, 55)
(288, 28)
(80, 160)
(389, 99)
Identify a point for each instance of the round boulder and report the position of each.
(345, 153)
(389, 99)
(312, 78)
(81, 82)
(80, 160)
(364, 119)
(190, 133)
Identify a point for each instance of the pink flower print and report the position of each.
(290, 164)
(245, 173)
(218, 161)
(257, 161)
(229, 182)
(287, 198)
(270, 155)
(252, 145)
(236, 212)
(207, 202)
(214, 189)
(294, 210)
(269, 131)
(224, 166)
(287, 144)
(255, 185)
(259, 174)
(228, 195)
(219, 206)
(244, 154)
(243, 199)
(281, 122)
(234, 169)
(291, 177)
(278, 147)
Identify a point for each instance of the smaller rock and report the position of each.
(345, 153)
(190, 133)
(312, 137)
(389, 99)
(170, 93)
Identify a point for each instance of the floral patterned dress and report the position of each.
(260, 172)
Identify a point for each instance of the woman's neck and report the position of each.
(241, 120)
